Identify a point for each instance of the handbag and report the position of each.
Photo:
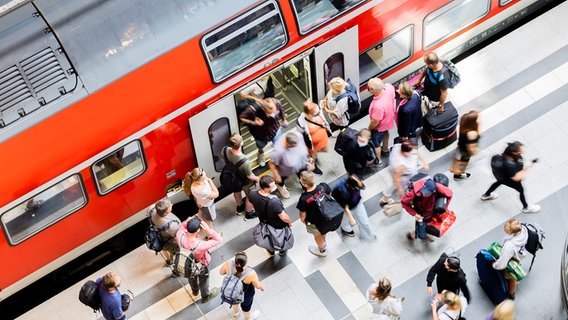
(268, 237)
(443, 221)
(391, 209)
(458, 166)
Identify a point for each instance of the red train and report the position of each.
(105, 105)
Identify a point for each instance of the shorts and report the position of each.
(171, 247)
(246, 305)
(377, 137)
(312, 229)
(249, 186)
(208, 213)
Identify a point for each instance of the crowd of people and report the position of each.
(295, 153)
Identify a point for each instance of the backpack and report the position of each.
(230, 178)
(497, 164)
(89, 295)
(153, 235)
(184, 263)
(232, 288)
(353, 103)
(534, 241)
(344, 139)
(455, 77)
(328, 215)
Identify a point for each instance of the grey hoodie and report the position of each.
(513, 247)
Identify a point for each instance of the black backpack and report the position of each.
(89, 295)
(497, 164)
(153, 237)
(344, 139)
(328, 213)
(230, 178)
(353, 103)
(534, 241)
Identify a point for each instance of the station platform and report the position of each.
(519, 84)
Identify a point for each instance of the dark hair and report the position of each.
(407, 146)
(354, 182)
(193, 225)
(265, 181)
(512, 149)
(453, 263)
(240, 262)
(468, 122)
(431, 58)
(383, 289)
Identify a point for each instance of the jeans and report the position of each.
(360, 214)
(200, 282)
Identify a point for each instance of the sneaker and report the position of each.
(317, 252)
(282, 253)
(492, 196)
(511, 296)
(241, 208)
(532, 208)
(386, 200)
(410, 236)
(168, 263)
(250, 215)
(212, 294)
(270, 253)
(385, 154)
(236, 315)
(284, 193)
(175, 274)
(335, 133)
(349, 234)
(195, 293)
(261, 160)
(463, 176)
(317, 171)
(254, 315)
(376, 163)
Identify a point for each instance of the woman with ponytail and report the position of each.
(385, 306)
(250, 282)
(453, 306)
(204, 191)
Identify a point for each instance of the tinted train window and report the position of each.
(310, 14)
(333, 67)
(386, 55)
(44, 209)
(219, 133)
(452, 18)
(119, 167)
(243, 41)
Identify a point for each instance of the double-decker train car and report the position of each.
(105, 105)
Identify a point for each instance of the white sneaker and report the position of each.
(335, 133)
(316, 251)
(236, 316)
(492, 196)
(261, 160)
(284, 193)
(532, 208)
(254, 314)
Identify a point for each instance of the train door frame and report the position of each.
(207, 147)
(347, 44)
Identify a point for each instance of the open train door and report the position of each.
(210, 132)
(338, 57)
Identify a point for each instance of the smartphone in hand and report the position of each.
(535, 160)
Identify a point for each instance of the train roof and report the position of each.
(55, 52)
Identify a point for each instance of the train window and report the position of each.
(44, 209)
(310, 14)
(452, 18)
(119, 167)
(503, 3)
(333, 67)
(386, 54)
(219, 133)
(245, 40)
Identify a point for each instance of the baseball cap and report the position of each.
(428, 188)
(193, 225)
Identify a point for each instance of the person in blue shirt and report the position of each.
(111, 298)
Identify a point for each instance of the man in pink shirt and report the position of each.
(381, 113)
(188, 238)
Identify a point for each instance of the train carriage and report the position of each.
(106, 105)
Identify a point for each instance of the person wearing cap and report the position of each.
(449, 276)
(289, 157)
(188, 238)
(419, 202)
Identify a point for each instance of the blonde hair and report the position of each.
(406, 90)
(337, 84)
(382, 291)
(307, 178)
(505, 310)
(513, 225)
(451, 299)
(190, 178)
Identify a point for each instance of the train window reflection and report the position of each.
(333, 67)
(243, 41)
(44, 209)
(119, 167)
(452, 18)
(386, 55)
(310, 14)
(219, 133)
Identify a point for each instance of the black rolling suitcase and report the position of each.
(440, 130)
(491, 280)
